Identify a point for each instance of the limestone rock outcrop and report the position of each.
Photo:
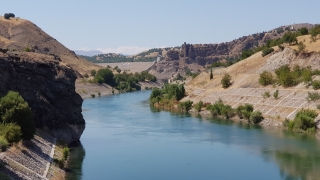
(48, 85)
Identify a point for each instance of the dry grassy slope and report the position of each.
(245, 76)
(17, 34)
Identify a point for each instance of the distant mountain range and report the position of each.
(87, 53)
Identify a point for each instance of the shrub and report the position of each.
(256, 117)
(99, 94)
(185, 106)
(267, 51)
(27, 49)
(313, 96)
(220, 109)
(198, 106)
(65, 153)
(266, 94)
(86, 75)
(14, 109)
(226, 81)
(276, 94)
(303, 31)
(3, 144)
(316, 84)
(301, 47)
(266, 78)
(211, 75)
(304, 121)
(93, 72)
(239, 111)
(104, 75)
(93, 95)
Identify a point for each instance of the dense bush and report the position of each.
(256, 117)
(304, 121)
(104, 76)
(276, 94)
(13, 109)
(314, 32)
(226, 81)
(198, 106)
(266, 78)
(170, 92)
(220, 109)
(288, 78)
(65, 153)
(266, 94)
(316, 84)
(313, 96)
(185, 106)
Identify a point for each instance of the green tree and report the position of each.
(14, 109)
(266, 78)
(276, 94)
(93, 72)
(12, 133)
(106, 75)
(211, 75)
(198, 106)
(303, 31)
(256, 117)
(226, 81)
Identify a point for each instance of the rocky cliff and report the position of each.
(196, 56)
(48, 85)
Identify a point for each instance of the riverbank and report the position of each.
(85, 90)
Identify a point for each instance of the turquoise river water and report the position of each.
(126, 139)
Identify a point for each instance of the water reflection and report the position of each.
(77, 155)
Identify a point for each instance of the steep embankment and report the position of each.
(246, 88)
(48, 85)
(22, 35)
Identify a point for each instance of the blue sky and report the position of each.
(130, 26)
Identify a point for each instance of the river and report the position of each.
(126, 139)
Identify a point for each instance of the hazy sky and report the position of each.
(135, 25)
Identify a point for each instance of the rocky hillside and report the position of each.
(19, 35)
(48, 85)
(145, 56)
(245, 86)
(196, 56)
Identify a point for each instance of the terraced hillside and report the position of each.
(30, 160)
(245, 86)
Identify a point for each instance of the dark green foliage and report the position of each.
(220, 109)
(313, 96)
(303, 31)
(11, 132)
(104, 76)
(226, 81)
(239, 110)
(316, 84)
(266, 78)
(267, 51)
(246, 53)
(93, 95)
(86, 75)
(290, 38)
(256, 117)
(8, 15)
(168, 92)
(304, 121)
(198, 106)
(99, 94)
(93, 72)
(65, 153)
(185, 106)
(288, 78)
(276, 94)
(13, 109)
(221, 64)
(211, 75)
(244, 111)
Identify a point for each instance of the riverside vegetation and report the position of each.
(123, 81)
(170, 95)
